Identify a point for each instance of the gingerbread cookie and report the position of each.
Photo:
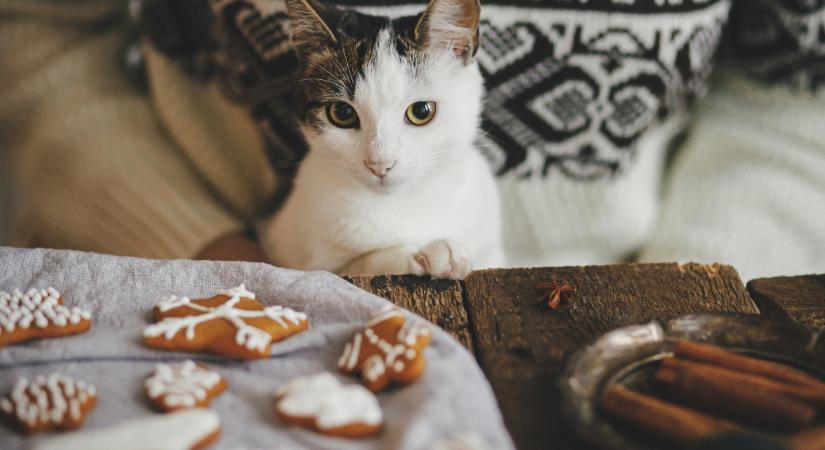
(53, 402)
(321, 403)
(38, 314)
(193, 429)
(389, 349)
(231, 323)
(182, 386)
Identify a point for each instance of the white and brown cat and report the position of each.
(392, 182)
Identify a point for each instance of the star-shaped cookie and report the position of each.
(390, 349)
(231, 323)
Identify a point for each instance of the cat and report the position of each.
(392, 182)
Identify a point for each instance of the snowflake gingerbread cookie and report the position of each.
(173, 387)
(53, 402)
(321, 403)
(37, 315)
(231, 323)
(390, 349)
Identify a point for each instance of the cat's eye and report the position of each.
(420, 113)
(342, 115)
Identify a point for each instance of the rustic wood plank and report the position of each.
(800, 300)
(521, 344)
(439, 301)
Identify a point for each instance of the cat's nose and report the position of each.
(379, 168)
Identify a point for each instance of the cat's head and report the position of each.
(388, 101)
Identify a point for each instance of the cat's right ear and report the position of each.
(451, 24)
(310, 25)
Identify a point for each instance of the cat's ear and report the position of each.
(309, 23)
(450, 24)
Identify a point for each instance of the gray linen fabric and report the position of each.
(451, 398)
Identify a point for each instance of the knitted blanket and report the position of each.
(572, 86)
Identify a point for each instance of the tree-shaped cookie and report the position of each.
(172, 387)
(390, 349)
(231, 323)
(38, 314)
(53, 402)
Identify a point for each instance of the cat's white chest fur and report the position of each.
(330, 222)
(392, 182)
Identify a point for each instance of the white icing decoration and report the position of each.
(410, 333)
(238, 291)
(332, 404)
(252, 338)
(54, 396)
(41, 308)
(181, 385)
(174, 431)
(387, 313)
(376, 366)
(351, 351)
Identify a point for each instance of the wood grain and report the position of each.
(521, 344)
(792, 299)
(439, 301)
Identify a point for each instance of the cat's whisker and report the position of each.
(322, 80)
(349, 73)
(334, 78)
(490, 137)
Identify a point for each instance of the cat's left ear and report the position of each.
(310, 24)
(450, 24)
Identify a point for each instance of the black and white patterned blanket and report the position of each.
(572, 84)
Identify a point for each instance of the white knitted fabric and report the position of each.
(749, 186)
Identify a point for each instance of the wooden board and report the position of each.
(439, 301)
(794, 299)
(521, 344)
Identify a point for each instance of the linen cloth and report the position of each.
(451, 398)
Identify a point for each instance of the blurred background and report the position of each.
(5, 206)
(149, 150)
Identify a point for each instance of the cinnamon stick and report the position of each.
(724, 358)
(667, 421)
(734, 395)
(768, 386)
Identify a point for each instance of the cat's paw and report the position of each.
(443, 258)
